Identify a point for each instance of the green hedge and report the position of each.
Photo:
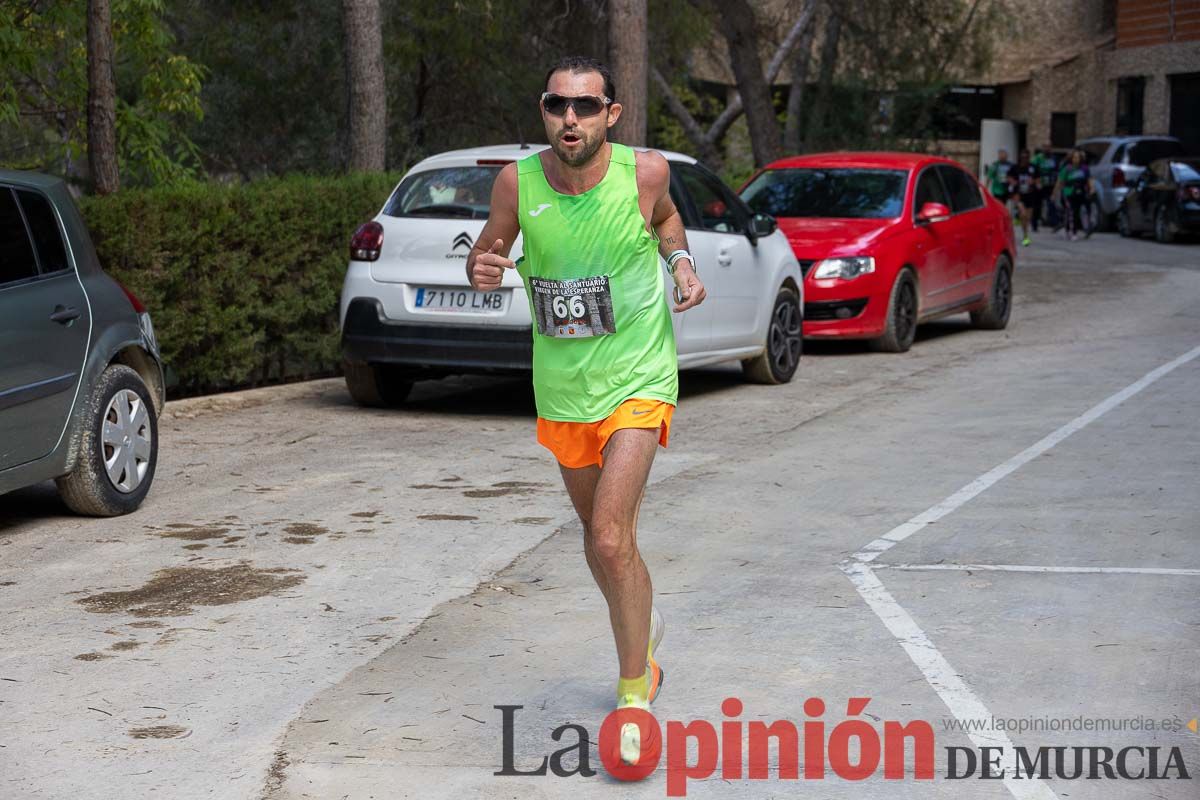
(242, 280)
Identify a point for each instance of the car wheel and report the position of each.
(785, 342)
(376, 385)
(1123, 226)
(901, 316)
(1162, 227)
(116, 447)
(994, 315)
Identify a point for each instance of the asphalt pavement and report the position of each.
(323, 601)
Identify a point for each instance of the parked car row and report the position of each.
(837, 245)
(843, 245)
(1116, 164)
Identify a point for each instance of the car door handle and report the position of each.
(724, 259)
(64, 314)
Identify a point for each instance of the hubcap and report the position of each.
(784, 337)
(126, 441)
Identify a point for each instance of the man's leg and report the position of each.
(611, 543)
(581, 487)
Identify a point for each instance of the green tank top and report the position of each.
(602, 329)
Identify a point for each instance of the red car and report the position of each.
(887, 241)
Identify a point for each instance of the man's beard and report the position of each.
(580, 156)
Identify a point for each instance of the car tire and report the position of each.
(902, 317)
(116, 447)
(376, 385)
(1123, 226)
(994, 315)
(1162, 227)
(785, 343)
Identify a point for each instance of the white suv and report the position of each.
(407, 312)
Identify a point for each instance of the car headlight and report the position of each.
(844, 268)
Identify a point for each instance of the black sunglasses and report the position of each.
(588, 105)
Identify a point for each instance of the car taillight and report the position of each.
(1118, 176)
(1189, 192)
(138, 308)
(366, 242)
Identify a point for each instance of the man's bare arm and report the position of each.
(489, 255)
(655, 180)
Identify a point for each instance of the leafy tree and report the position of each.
(44, 91)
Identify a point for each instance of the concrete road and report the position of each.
(319, 601)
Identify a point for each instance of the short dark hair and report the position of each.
(584, 64)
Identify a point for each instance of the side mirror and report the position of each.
(932, 212)
(763, 224)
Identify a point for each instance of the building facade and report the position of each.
(1080, 68)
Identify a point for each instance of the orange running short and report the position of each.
(581, 444)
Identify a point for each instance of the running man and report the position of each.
(595, 217)
(1025, 184)
(1075, 188)
(997, 176)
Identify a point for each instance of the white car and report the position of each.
(408, 313)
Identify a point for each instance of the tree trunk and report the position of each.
(706, 141)
(793, 131)
(833, 32)
(629, 59)
(102, 99)
(366, 91)
(740, 33)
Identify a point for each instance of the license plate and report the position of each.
(460, 301)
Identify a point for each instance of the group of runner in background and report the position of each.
(1044, 188)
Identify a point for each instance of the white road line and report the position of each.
(949, 685)
(992, 476)
(1034, 568)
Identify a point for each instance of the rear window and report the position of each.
(448, 193)
(814, 192)
(1186, 171)
(964, 191)
(1094, 151)
(44, 227)
(16, 253)
(1142, 153)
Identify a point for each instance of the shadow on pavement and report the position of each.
(926, 332)
(37, 503)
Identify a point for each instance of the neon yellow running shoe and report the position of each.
(631, 734)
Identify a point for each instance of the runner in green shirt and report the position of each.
(594, 217)
(997, 176)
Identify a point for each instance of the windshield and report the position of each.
(448, 193)
(812, 192)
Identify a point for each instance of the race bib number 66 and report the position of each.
(573, 309)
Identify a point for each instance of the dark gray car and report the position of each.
(81, 380)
